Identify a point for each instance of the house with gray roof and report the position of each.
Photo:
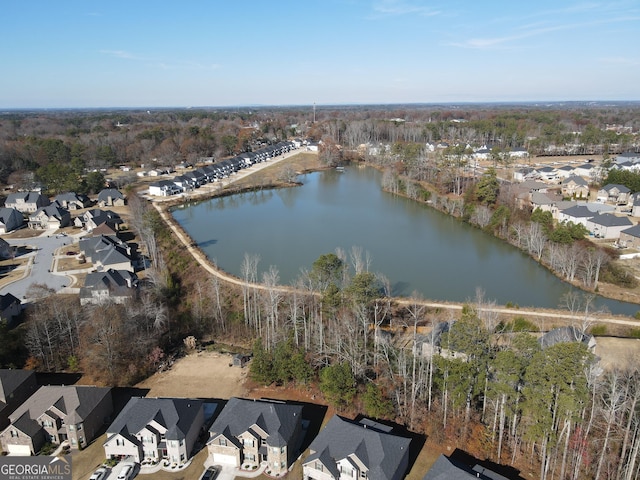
(155, 429)
(95, 217)
(10, 308)
(26, 202)
(447, 469)
(614, 193)
(577, 214)
(6, 250)
(568, 334)
(349, 449)
(10, 220)
(575, 186)
(56, 414)
(117, 286)
(52, 216)
(607, 225)
(249, 432)
(107, 252)
(15, 387)
(630, 237)
(111, 197)
(72, 200)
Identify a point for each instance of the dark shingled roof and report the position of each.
(380, 451)
(568, 334)
(610, 220)
(175, 414)
(277, 419)
(10, 380)
(447, 469)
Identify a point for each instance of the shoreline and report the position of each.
(163, 208)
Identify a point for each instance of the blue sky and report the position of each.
(136, 53)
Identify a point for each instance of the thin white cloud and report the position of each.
(396, 8)
(534, 30)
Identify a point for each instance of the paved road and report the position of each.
(40, 266)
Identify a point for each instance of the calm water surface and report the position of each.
(414, 246)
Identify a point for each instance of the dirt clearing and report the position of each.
(199, 375)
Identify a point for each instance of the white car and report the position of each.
(126, 473)
(99, 474)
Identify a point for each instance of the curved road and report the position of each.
(40, 264)
(202, 259)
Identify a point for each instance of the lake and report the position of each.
(416, 247)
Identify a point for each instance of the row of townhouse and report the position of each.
(210, 173)
(550, 174)
(245, 434)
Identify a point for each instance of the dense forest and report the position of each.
(474, 379)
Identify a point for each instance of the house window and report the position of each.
(250, 457)
(79, 426)
(181, 442)
(223, 442)
(283, 449)
(119, 442)
(182, 457)
(318, 466)
(275, 450)
(14, 434)
(363, 474)
(263, 441)
(73, 441)
(71, 428)
(47, 424)
(248, 442)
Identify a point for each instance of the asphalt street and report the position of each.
(40, 264)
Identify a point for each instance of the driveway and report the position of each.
(41, 263)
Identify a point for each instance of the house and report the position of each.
(575, 187)
(117, 286)
(578, 214)
(524, 173)
(111, 197)
(447, 469)
(587, 171)
(249, 432)
(565, 171)
(91, 219)
(15, 387)
(548, 174)
(615, 194)
(51, 216)
(634, 201)
(608, 225)
(107, 252)
(26, 202)
(10, 220)
(10, 308)
(633, 157)
(56, 414)
(568, 334)
(518, 153)
(349, 449)
(164, 188)
(153, 429)
(72, 201)
(630, 237)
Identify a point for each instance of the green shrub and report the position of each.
(634, 333)
(598, 330)
(521, 324)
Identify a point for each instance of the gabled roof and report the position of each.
(75, 401)
(575, 179)
(52, 211)
(278, 420)
(381, 452)
(611, 186)
(578, 211)
(114, 280)
(568, 334)
(447, 469)
(176, 415)
(10, 380)
(107, 193)
(633, 231)
(27, 197)
(610, 220)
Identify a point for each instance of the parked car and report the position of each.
(127, 472)
(210, 473)
(99, 474)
